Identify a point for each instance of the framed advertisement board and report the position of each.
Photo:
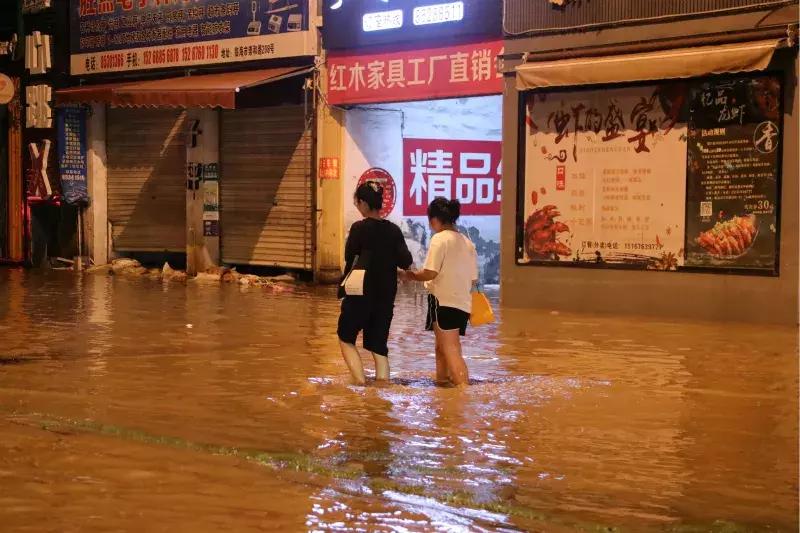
(125, 35)
(674, 175)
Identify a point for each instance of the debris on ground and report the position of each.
(285, 278)
(127, 267)
(231, 276)
(207, 277)
(132, 268)
(170, 274)
(99, 269)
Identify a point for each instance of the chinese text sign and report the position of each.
(115, 35)
(733, 173)
(466, 70)
(605, 177)
(468, 171)
(72, 153)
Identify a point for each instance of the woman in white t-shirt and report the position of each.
(450, 271)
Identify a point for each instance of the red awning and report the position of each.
(210, 90)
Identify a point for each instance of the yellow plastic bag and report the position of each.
(482, 313)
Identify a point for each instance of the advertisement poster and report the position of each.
(72, 148)
(116, 35)
(733, 173)
(376, 146)
(605, 177)
(469, 171)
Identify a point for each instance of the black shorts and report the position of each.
(360, 315)
(447, 318)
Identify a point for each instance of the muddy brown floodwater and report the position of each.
(128, 405)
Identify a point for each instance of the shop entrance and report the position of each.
(266, 188)
(421, 150)
(147, 180)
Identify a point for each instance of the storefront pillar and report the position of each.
(96, 223)
(202, 190)
(330, 213)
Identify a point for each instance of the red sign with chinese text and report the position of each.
(386, 181)
(453, 71)
(329, 168)
(561, 178)
(468, 171)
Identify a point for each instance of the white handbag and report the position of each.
(353, 283)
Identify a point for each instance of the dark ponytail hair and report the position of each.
(444, 210)
(371, 193)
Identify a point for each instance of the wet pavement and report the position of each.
(136, 406)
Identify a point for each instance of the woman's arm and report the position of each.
(433, 263)
(352, 248)
(404, 258)
(422, 275)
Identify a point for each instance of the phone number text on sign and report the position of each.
(468, 171)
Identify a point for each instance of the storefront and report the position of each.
(12, 190)
(416, 90)
(204, 150)
(658, 177)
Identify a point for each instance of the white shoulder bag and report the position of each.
(354, 281)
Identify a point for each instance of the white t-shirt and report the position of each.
(453, 256)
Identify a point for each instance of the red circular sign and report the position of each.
(387, 182)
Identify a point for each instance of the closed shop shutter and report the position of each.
(147, 179)
(265, 187)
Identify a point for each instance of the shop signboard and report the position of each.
(469, 171)
(117, 35)
(604, 177)
(443, 72)
(353, 24)
(72, 153)
(733, 174)
(34, 6)
(678, 175)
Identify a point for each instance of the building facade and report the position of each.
(412, 92)
(650, 156)
(200, 122)
(11, 190)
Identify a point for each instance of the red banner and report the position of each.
(453, 71)
(468, 171)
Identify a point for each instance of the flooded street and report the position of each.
(131, 405)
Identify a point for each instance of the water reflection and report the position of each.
(232, 405)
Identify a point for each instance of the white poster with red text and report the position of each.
(605, 178)
(391, 146)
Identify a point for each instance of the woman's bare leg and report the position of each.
(381, 367)
(442, 376)
(353, 360)
(450, 343)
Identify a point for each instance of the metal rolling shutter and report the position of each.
(147, 179)
(265, 187)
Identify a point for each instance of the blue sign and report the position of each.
(72, 147)
(116, 35)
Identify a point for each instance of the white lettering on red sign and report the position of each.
(469, 171)
(451, 71)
